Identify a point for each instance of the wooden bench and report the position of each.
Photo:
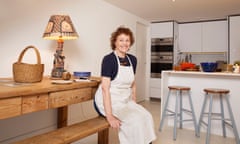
(73, 133)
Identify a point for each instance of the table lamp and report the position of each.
(60, 28)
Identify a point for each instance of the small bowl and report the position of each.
(209, 66)
(78, 75)
(187, 65)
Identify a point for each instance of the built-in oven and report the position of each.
(161, 56)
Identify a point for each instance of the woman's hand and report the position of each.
(113, 121)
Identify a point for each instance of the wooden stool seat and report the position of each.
(179, 88)
(216, 91)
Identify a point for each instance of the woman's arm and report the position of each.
(106, 95)
(113, 121)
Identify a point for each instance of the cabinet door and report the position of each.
(234, 39)
(214, 36)
(155, 88)
(162, 30)
(190, 37)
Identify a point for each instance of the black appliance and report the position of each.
(161, 56)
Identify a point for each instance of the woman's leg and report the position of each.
(137, 125)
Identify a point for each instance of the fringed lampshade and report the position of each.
(60, 28)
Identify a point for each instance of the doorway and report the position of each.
(141, 52)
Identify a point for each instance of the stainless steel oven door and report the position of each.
(161, 57)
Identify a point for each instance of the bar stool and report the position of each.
(178, 111)
(209, 93)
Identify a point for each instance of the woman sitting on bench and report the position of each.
(116, 96)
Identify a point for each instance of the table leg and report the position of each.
(62, 116)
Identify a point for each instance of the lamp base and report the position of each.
(57, 73)
(58, 62)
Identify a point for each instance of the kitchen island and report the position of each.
(198, 81)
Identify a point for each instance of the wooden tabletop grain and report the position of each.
(8, 88)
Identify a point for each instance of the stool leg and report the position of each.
(202, 113)
(222, 116)
(232, 120)
(176, 116)
(193, 114)
(181, 116)
(164, 111)
(209, 120)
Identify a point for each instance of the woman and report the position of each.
(116, 96)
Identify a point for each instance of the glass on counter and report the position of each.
(177, 68)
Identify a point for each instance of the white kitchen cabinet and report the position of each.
(190, 35)
(155, 88)
(234, 39)
(159, 30)
(162, 30)
(214, 36)
(203, 36)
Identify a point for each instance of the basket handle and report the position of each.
(23, 52)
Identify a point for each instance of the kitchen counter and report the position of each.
(198, 81)
(225, 74)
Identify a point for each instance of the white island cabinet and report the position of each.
(198, 81)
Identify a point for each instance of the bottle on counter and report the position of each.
(236, 68)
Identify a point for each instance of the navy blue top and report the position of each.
(110, 65)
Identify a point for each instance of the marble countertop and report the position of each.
(204, 73)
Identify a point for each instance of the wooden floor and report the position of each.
(164, 137)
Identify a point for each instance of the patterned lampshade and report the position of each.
(60, 27)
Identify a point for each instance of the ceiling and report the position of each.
(179, 10)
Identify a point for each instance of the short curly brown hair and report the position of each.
(121, 30)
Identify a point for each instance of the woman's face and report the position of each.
(122, 43)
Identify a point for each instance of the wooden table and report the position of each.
(18, 99)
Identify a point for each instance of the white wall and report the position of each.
(23, 23)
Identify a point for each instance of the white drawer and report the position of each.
(155, 92)
(155, 82)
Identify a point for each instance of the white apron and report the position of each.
(136, 123)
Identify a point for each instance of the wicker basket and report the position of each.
(28, 73)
